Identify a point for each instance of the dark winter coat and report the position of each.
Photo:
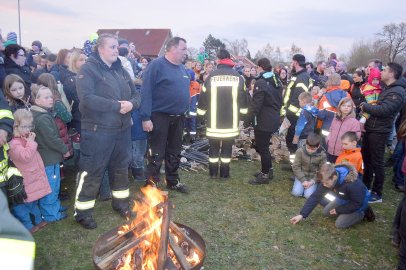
(356, 95)
(264, 109)
(23, 71)
(56, 71)
(68, 80)
(349, 190)
(383, 113)
(100, 88)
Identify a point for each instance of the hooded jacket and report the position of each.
(100, 88)
(25, 156)
(349, 190)
(264, 110)
(337, 129)
(306, 122)
(327, 106)
(305, 165)
(383, 113)
(50, 146)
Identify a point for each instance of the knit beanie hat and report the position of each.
(12, 36)
(37, 43)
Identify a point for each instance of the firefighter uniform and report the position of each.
(222, 99)
(299, 83)
(17, 246)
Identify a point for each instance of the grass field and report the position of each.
(244, 226)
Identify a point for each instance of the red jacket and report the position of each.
(28, 161)
(63, 134)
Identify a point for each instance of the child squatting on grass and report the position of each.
(308, 160)
(341, 193)
(24, 154)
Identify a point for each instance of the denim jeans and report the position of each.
(50, 204)
(139, 147)
(24, 211)
(298, 190)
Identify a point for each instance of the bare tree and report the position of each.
(393, 40)
(266, 51)
(278, 55)
(237, 47)
(321, 54)
(192, 53)
(293, 50)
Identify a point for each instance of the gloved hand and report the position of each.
(15, 187)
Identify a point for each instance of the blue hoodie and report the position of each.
(306, 122)
(333, 97)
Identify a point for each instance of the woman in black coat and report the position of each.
(14, 63)
(264, 112)
(356, 95)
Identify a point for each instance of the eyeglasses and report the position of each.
(22, 55)
(26, 127)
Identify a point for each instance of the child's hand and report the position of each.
(31, 136)
(305, 184)
(295, 139)
(333, 212)
(296, 219)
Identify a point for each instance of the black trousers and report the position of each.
(399, 232)
(291, 132)
(373, 151)
(165, 143)
(262, 139)
(221, 149)
(100, 150)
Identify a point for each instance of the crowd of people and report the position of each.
(106, 107)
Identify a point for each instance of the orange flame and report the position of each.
(153, 220)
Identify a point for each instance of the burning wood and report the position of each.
(150, 241)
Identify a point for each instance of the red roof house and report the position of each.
(148, 42)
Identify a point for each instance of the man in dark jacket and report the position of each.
(107, 96)
(299, 82)
(379, 126)
(165, 100)
(222, 100)
(341, 69)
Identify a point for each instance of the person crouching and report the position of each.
(341, 193)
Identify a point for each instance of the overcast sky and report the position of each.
(333, 24)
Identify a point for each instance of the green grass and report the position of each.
(244, 226)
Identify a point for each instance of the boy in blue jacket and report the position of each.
(341, 193)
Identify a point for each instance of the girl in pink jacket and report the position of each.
(343, 121)
(23, 152)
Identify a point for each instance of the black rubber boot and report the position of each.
(213, 170)
(261, 179)
(225, 170)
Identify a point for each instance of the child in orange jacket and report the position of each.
(351, 153)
